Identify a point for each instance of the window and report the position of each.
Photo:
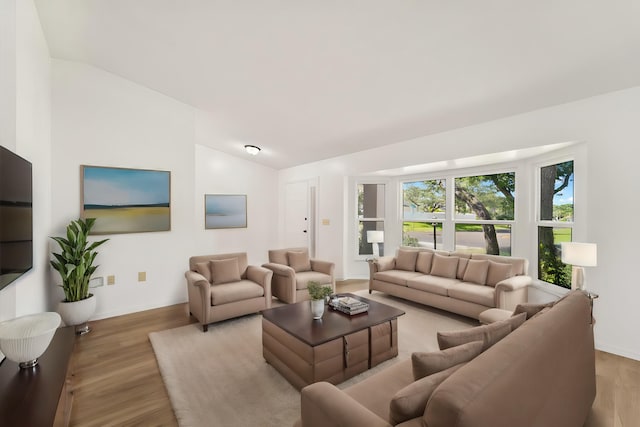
(423, 211)
(555, 223)
(370, 217)
(484, 212)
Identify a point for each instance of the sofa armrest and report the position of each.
(384, 263)
(325, 267)
(511, 292)
(280, 269)
(262, 276)
(325, 405)
(199, 293)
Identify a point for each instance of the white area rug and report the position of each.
(219, 378)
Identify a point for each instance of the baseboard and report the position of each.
(617, 351)
(135, 309)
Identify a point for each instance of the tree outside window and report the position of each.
(485, 198)
(423, 210)
(555, 223)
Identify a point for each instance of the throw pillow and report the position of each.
(406, 260)
(516, 320)
(423, 264)
(488, 334)
(410, 402)
(444, 266)
(530, 309)
(498, 271)
(204, 269)
(425, 364)
(299, 261)
(462, 267)
(476, 271)
(224, 271)
(541, 312)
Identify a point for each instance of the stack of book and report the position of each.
(349, 305)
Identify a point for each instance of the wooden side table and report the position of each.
(39, 396)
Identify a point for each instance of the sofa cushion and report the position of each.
(476, 271)
(498, 271)
(376, 392)
(530, 309)
(489, 334)
(483, 295)
(224, 271)
(411, 400)
(299, 261)
(204, 269)
(423, 263)
(425, 364)
(236, 291)
(406, 260)
(304, 277)
(399, 277)
(433, 284)
(444, 266)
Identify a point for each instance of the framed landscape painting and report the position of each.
(126, 200)
(225, 211)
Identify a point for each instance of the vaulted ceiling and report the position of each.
(312, 79)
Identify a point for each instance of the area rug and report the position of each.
(220, 377)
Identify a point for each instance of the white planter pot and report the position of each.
(317, 308)
(77, 313)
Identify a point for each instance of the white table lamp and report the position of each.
(375, 237)
(579, 255)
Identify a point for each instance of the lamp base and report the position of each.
(28, 364)
(578, 280)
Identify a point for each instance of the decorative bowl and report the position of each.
(25, 338)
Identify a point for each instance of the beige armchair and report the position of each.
(224, 286)
(293, 269)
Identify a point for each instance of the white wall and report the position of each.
(220, 173)
(609, 128)
(103, 120)
(25, 110)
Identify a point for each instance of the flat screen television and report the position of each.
(16, 217)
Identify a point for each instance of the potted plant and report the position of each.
(318, 294)
(75, 265)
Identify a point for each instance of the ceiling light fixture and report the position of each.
(252, 149)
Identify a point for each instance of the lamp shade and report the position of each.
(375, 236)
(581, 254)
(25, 338)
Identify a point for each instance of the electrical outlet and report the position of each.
(326, 221)
(111, 280)
(142, 276)
(96, 281)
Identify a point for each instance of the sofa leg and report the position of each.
(205, 328)
(370, 290)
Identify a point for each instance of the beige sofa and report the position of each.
(462, 283)
(540, 375)
(293, 269)
(223, 286)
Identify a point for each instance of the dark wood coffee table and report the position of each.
(333, 348)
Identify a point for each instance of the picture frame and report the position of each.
(125, 200)
(225, 211)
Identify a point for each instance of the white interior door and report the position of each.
(297, 220)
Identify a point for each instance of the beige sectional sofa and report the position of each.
(462, 283)
(541, 374)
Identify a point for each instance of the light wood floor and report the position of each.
(117, 381)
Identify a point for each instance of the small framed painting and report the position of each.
(225, 211)
(126, 200)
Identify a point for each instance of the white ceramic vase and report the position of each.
(317, 308)
(78, 313)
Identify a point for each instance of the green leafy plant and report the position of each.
(75, 262)
(318, 291)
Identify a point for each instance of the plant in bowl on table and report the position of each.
(318, 293)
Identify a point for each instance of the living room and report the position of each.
(61, 113)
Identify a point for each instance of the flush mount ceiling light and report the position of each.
(252, 149)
